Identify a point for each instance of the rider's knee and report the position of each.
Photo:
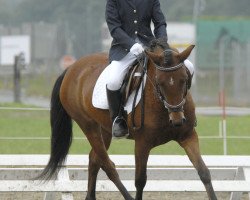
(114, 85)
(190, 66)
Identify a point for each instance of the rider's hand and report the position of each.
(136, 49)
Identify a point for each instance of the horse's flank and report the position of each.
(76, 95)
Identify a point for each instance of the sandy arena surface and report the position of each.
(117, 196)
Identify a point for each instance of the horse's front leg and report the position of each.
(191, 146)
(141, 158)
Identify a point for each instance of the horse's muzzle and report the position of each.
(177, 119)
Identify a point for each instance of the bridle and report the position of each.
(168, 106)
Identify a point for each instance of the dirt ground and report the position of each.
(117, 196)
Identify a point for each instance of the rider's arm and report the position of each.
(159, 21)
(114, 24)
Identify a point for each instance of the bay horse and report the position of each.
(169, 115)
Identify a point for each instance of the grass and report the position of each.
(17, 123)
(32, 84)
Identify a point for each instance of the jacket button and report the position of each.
(136, 32)
(135, 21)
(134, 11)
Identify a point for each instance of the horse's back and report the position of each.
(79, 81)
(92, 63)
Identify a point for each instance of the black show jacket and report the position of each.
(131, 19)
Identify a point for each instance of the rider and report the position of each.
(129, 25)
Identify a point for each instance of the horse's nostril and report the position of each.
(184, 120)
(171, 121)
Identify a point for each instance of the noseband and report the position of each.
(168, 106)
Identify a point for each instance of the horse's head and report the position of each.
(171, 78)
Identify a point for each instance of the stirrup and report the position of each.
(120, 128)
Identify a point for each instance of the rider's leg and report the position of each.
(190, 72)
(190, 68)
(119, 124)
(114, 96)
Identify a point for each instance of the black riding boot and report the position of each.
(116, 109)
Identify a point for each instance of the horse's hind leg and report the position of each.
(191, 146)
(92, 132)
(94, 166)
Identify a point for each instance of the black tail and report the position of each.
(61, 133)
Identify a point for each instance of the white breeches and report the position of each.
(119, 70)
(121, 67)
(189, 65)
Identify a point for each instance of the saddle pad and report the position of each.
(99, 98)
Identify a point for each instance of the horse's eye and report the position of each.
(183, 80)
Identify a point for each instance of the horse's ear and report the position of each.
(184, 55)
(154, 56)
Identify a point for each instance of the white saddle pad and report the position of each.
(99, 98)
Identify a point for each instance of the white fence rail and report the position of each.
(165, 173)
(222, 128)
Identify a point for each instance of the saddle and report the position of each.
(133, 78)
(132, 82)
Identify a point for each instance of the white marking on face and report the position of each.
(171, 81)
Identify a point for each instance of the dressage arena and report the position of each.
(117, 196)
(169, 177)
(39, 40)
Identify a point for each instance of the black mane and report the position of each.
(160, 42)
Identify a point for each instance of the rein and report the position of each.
(170, 107)
(145, 64)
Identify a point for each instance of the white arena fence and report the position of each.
(232, 111)
(166, 173)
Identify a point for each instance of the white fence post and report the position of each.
(239, 176)
(63, 175)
